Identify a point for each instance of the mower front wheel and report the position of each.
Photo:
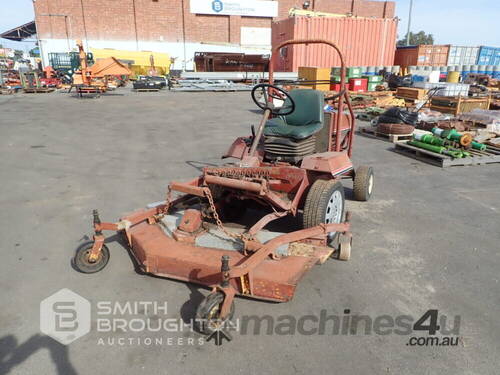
(325, 204)
(82, 263)
(363, 183)
(208, 313)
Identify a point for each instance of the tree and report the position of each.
(18, 54)
(35, 52)
(417, 38)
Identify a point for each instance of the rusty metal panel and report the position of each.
(363, 41)
(162, 255)
(230, 62)
(434, 55)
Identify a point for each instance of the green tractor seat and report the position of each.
(290, 138)
(306, 120)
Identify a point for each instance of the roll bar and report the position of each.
(344, 93)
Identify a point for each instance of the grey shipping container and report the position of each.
(460, 55)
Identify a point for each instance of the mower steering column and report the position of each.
(260, 130)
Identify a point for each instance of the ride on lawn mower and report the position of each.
(293, 164)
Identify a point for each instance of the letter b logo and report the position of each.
(65, 316)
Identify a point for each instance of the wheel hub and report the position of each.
(334, 210)
(91, 260)
(370, 185)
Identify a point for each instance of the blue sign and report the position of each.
(217, 6)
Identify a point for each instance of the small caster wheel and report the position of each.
(208, 311)
(363, 183)
(345, 245)
(83, 264)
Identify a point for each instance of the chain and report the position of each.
(168, 200)
(218, 221)
(241, 237)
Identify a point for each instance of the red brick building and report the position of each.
(178, 27)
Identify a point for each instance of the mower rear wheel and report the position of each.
(81, 260)
(363, 183)
(325, 204)
(208, 313)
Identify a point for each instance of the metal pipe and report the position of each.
(430, 139)
(256, 258)
(409, 24)
(438, 149)
(225, 271)
(65, 25)
(84, 25)
(340, 106)
(183, 36)
(233, 183)
(135, 26)
(426, 146)
(260, 130)
(478, 146)
(39, 41)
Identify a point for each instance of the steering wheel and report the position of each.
(270, 91)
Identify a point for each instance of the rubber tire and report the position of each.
(82, 265)
(395, 128)
(345, 248)
(317, 201)
(361, 183)
(209, 303)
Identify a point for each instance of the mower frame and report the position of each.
(259, 270)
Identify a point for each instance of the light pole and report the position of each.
(409, 24)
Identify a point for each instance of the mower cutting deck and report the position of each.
(291, 166)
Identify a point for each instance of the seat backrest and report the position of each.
(308, 107)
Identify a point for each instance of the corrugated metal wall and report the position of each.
(488, 56)
(363, 41)
(435, 55)
(461, 55)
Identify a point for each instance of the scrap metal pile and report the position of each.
(191, 85)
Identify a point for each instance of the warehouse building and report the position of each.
(178, 27)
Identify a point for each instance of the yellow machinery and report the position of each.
(141, 61)
(95, 78)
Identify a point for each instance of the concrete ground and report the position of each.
(429, 239)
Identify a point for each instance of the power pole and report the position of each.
(409, 24)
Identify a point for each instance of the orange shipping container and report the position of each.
(435, 55)
(363, 41)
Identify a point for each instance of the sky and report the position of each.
(457, 22)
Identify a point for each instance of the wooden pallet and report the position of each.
(411, 93)
(38, 90)
(491, 155)
(457, 105)
(393, 138)
(146, 90)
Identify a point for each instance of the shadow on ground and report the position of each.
(13, 353)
